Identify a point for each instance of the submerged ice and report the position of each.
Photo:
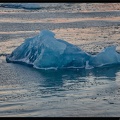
(44, 51)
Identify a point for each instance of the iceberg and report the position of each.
(21, 5)
(108, 56)
(44, 51)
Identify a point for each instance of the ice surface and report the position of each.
(21, 5)
(44, 51)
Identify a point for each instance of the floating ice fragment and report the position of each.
(44, 51)
(106, 57)
(21, 5)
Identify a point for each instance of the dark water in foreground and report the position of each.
(25, 91)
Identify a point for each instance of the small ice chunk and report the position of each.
(105, 57)
(21, 5)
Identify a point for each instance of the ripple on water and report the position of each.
(29, 92)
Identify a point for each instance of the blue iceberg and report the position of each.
(44, 51)
(21, 5)
(106, 57)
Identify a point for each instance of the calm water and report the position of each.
(25, 91)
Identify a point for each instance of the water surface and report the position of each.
(25, 91)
